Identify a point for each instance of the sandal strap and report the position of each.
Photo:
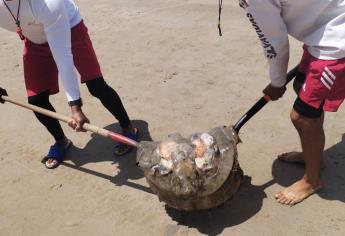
(57, 151)
(132, 136)
(129, 135)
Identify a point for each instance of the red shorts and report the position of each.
(40, 71)
(325, 82)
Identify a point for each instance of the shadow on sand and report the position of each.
(99, 149)
(333, 175)
(246, 203)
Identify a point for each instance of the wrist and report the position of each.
(78, 103)
(277, 87)
(76, 109)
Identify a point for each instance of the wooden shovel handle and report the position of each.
(92, 128)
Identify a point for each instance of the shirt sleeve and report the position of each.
(53, 15)
(265, 17)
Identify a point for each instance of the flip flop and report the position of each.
(57, 152)
(122, 149)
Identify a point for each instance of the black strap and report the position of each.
(77, 102)
(16, 20)
(219, 14)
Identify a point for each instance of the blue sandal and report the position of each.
(122, 149)
(57, 153)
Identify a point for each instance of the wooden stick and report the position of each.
(94, 129)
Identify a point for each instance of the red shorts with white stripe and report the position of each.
(324, 83)
(40, 71)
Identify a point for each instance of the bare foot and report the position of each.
(291, 157)
(295, 157)
(297, 192)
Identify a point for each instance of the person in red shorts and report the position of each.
(320, 81)
(56, 44)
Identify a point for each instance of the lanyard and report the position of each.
(16, 20)
(219, 14)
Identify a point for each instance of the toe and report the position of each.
(285, 201)
(281, 199)
(278, 195)
(288, 201)
(50, 163)
(282, 156)
(121, 150)
(293, 202)
(291, 157)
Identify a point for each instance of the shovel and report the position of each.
(203, 190)
(261, 103)
(122, 139)
(89, 127)
(217, 191)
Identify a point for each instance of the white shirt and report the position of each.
(48, 21)
(320, 24)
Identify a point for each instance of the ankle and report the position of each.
(129, 128)
(313, 181)
(63, 141)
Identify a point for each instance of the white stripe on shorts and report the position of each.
(325, 83)
(330, 73)
(325, 76)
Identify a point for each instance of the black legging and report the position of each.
(52, 125)
(98, 88)
(110, 100)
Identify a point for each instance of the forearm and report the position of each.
(278, 67)
(70, 82)
(265, 17)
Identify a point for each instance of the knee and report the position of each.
(39, 99)
(33, 100)
(295, 118)
(301, 122)
(97, 87)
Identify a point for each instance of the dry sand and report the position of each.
(174, 73)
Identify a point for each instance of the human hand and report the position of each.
(274, 93)
(78, 119)
(3, 92)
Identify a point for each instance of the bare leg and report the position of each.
(296, 157)
(312, 138)
(292, 157)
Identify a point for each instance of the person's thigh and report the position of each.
(40, 71)
(84, 56)
(324, 86)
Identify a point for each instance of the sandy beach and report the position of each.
(174, 74)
